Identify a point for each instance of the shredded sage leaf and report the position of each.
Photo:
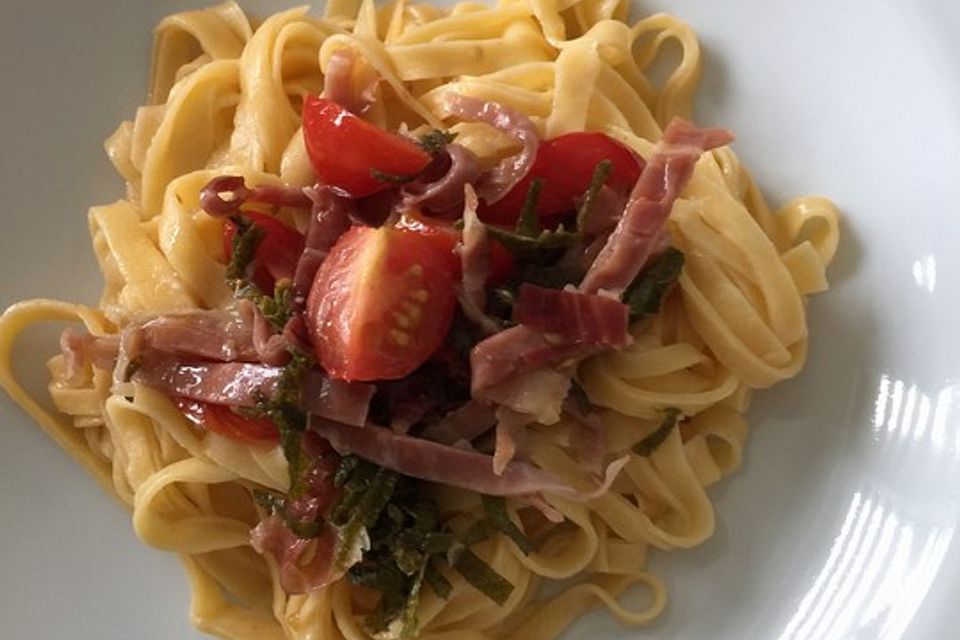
(528, 223)
(367, 510)
(434, 141)
(272, 502)
(285, 412)
(545, 247)
(646, 292)
(484, 579)
(438, 582)
(653, 441)
(495, 508)
(601, 173)
(243, 248)
(392, 178)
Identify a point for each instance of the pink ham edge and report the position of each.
(435, 462)
(502, 178)
(590, 319)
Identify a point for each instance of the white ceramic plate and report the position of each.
(841, 522)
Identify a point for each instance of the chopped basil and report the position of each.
(646, 292)
(601, 173)
(392, 178)
(653, 441)
(434, 141)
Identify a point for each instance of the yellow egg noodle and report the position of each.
(224, 97)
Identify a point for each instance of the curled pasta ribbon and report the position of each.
(647, 377)
(173, 509)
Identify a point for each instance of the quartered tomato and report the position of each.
(381, 303)
(224, 421)
(346, 151)
(447, 237)
(277, 254)
(566, 165)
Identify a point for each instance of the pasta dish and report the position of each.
(424, 321)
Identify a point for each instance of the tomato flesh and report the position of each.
(566, 164)
(277, 253)
(346, 151)
(381, 303)
(224, 421)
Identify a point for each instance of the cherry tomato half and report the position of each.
(277, 254)
(347, 151)
(224, 421)
(566, 165)
(447, 237)
(381, 303)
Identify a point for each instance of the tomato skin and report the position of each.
(566, 165)
(344, 149)
(277, 253)
(447, 238)
(381, 303)
(224, 421)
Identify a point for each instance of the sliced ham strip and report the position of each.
(517, 350)
(220, 335)
(459, 166)
(223, 336)
(496, 183)
(80, 350)
(474, 251)
(212, 198)
(338, 400)
(435, 462)
(338, 79)
(511, 434)
(329, 220)
(236, 384)
(242, 384)
(465, 423)
(664, 176)
(589, 319)
(305, 565)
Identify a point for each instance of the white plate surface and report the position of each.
(841, 522)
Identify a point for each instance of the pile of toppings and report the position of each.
(429, 312)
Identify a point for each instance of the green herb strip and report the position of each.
(652, 442)
(392, 178)
(496, 509)
(243, 248)
(528, 223)
(484, 579)
(601, 173)
(433, 142)
(367, 511)
(645, 294)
